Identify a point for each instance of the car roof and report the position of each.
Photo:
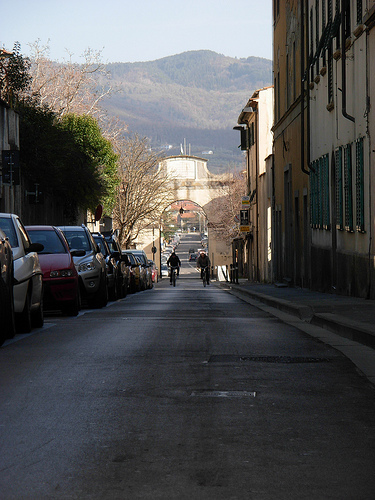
(40, 228)
(71, 228)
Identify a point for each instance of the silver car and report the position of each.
(91, 266)
(28, 277)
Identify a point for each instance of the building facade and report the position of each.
(341, 213)
(323, 153)
(255, 122)
(291, 220)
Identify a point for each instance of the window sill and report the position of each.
(337, 54)
(359, 30)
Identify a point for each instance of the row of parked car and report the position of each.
(49, 267)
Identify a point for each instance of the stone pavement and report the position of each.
(346, 323)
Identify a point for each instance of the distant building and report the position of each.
(255, 121)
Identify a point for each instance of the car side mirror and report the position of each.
(78, 253)
(35, 247)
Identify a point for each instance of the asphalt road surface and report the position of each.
(182, 393)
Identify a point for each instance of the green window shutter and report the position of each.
(359, 173)
(348, 188)
(320, 192)
(311, 181)
(245, 139)
(339, 188)
(313, 195)
(325, 192)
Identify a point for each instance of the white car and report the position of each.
(28, 277)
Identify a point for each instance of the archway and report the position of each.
(193, 184)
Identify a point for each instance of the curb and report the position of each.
(343, 327)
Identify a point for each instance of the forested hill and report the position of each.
(196, 95)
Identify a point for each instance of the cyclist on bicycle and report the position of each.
(173, 262)
(203, 262)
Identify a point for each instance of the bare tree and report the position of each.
(144, 192)
(68, 87)
(222, 210)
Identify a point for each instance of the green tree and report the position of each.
(101, 160)
(14, 75)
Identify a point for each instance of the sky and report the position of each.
(138, 30)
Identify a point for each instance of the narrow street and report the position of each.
(182, 393)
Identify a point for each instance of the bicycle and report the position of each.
(173, 275)
(205, 275)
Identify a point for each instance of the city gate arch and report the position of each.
(193, 181)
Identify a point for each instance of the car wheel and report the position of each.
(8, 329)
(73, 307)
(23, 319)
(124, 290)
(113, 294)
(101, 297)
(37, 317)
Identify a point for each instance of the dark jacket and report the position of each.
(173, 260)
(203, 261)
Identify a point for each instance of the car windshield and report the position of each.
(131, 258)
(6, 225)
(49, 239)
(77, 240)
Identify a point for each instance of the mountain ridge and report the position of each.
(195, 93)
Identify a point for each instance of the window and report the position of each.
(319, 189)
(314, 215)
(348, 189)
(359, 185)
(359, 11)
(323, 29)
(312, 42)
(317, 34)
(339, 200)
(277, 96)
(294, 71)
(276, 8)
(252, 134)
(330, 74)
(287, 83)
(347, 20)
(324, 162)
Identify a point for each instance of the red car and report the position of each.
(60, 277)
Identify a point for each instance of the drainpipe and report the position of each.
(256, 188)
(343, 62)
(302, 73)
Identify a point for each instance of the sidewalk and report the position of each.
(348, 318)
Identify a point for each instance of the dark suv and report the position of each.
(113, 273)
(122, 263)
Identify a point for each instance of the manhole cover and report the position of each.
(230, 358)
(223, 394)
